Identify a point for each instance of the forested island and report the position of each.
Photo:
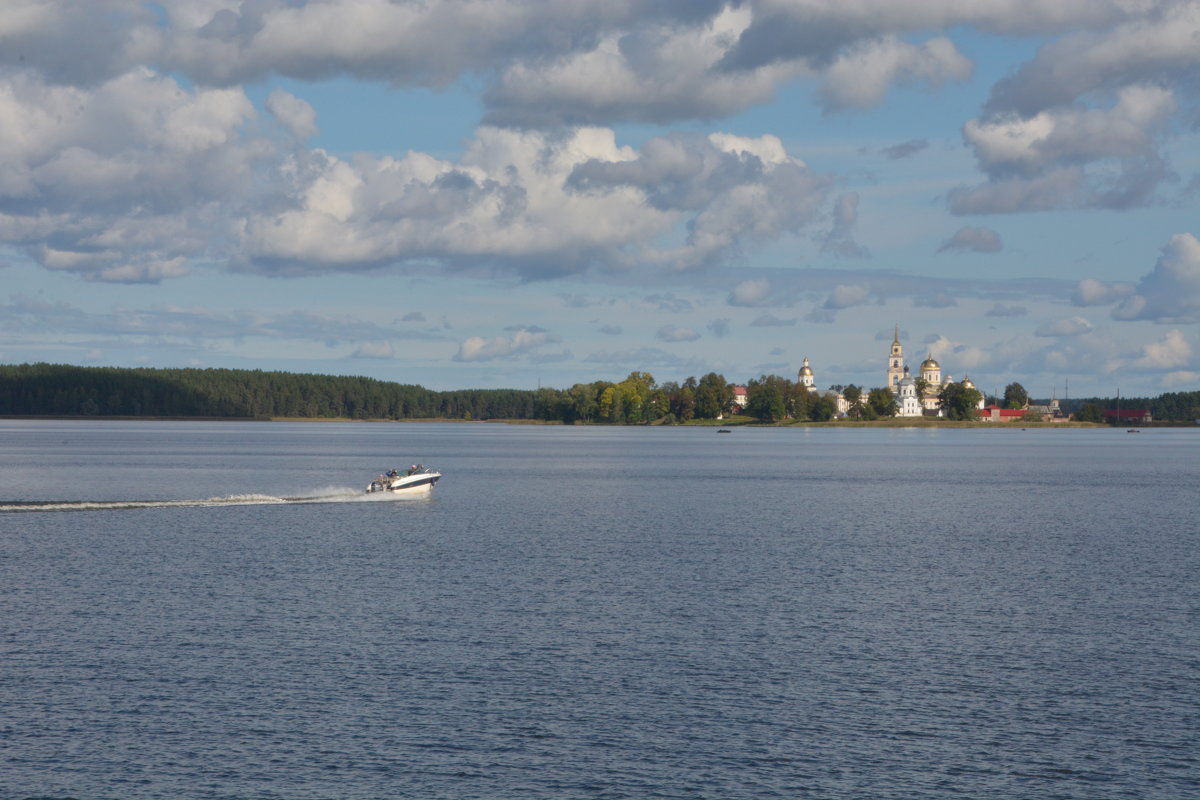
(65, 390)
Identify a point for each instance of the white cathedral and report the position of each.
(910, 402)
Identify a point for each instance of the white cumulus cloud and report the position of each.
(1072, 157)
(1072, 326)
(1091, 292)
(847, 296)
(476, 348)
(375, 350)
(297, 115)
(1154, 42)
(1001, 310)
(123, 181)
(543, 204)
(1171, 292)
(862, 75)
(973, 239)
(1181, 378)
(1171, 352)
(751, 293)
(672, 333)
(841, 238)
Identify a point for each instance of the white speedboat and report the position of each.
(418, 479)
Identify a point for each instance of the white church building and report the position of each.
(910, 400)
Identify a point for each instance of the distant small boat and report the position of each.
(419, 479)
(1133, 430)
(724, 430)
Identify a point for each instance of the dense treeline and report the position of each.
(638, 399)
(1175, 405)
(55, 389)
(1172, 406)
(109, 391)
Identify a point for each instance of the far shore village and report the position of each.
(911, 402)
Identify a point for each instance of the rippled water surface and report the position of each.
(212, 610)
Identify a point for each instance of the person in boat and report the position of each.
(393, 473)
(412, 470)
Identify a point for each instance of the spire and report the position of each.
(896, 338)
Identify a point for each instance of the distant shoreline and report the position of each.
(897, 422)
(182, 418)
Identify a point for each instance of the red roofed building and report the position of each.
(998, 414)
(1135, 415)
(740, 398)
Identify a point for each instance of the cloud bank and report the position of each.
(133, 153)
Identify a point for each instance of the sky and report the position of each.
(521, 193)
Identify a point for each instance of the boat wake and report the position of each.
(330, 495)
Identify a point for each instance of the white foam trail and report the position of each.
(94, 505)
(329, 494)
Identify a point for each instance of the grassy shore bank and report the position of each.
(926, 422)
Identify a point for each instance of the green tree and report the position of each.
(548, 404)
(799, 400)
(609, 399)
(635, 392)
(854, 399)
(959, 402)
(883, 402)
(1091, 412)
(683, 405)
(1015, 396)
(767, 398)
(823, 408)
(713, 396)
(585, 401)
(659, 405)
(922, 387)
(670, 394)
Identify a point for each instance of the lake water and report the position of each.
(597, 612)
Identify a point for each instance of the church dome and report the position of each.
(806, 370)
(968, 384)
(929, 364)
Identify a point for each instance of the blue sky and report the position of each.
(512, 194)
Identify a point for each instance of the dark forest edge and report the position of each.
(72, 391)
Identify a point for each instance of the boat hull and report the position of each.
(421, 483)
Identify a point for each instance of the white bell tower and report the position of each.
(895, 370)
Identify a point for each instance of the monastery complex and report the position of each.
(912, 401)
(919, 395)
(915, 397)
